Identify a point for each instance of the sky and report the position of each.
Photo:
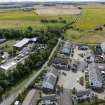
(45, 0)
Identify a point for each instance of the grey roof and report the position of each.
(62, 61)
(50, 79)
(103, 46)
(82, 93)
(66, 48)
(24, 42)
(2, 40)
(94, 76)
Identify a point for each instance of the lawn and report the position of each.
(91, 18)
(23, 19)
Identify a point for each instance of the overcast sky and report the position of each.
(45, 0)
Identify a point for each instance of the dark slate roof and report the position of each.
(62, 61)
(82, 93)
(54, 71)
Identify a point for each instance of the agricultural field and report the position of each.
(84, 29)
(22, 19)
(91, 18)
(84, 37)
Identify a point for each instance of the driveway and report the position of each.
(65, 98)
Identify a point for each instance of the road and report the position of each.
(65, 97)
(9, 100)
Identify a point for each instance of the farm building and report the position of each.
(94, 78)
(50, 80)
(30, 98)
(24, 42)
(60, 63)
(82, 95)
(66, 48)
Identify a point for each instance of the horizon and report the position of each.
(4, 1)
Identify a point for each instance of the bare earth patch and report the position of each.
(60, 10)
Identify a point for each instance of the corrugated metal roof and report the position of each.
(22, 43)
(93, 76)
(50, 79)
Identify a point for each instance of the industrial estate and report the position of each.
(52, 53)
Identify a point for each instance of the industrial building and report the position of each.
(82, 95)
(24, 42)
(66, 48)
(94, 78)
(60, 63)
(50, 80)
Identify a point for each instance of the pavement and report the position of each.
(65, 98)
(70, 80)
(11, 97)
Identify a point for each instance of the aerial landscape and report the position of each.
(52, 52)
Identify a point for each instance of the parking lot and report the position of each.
(70, 80)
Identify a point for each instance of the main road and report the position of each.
(20, 88)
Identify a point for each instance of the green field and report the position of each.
(91, 18)
(22, 19)
(83, 31)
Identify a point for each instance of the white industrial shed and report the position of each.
(24, 42)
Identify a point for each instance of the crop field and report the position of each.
(91, 18)
(84, 37)
(23, 19)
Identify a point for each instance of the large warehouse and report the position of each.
(50, 80)
(22, 43)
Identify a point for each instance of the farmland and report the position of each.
(84, 29)
(91, 18)
(22, 19)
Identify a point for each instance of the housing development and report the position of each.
(52, 53)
